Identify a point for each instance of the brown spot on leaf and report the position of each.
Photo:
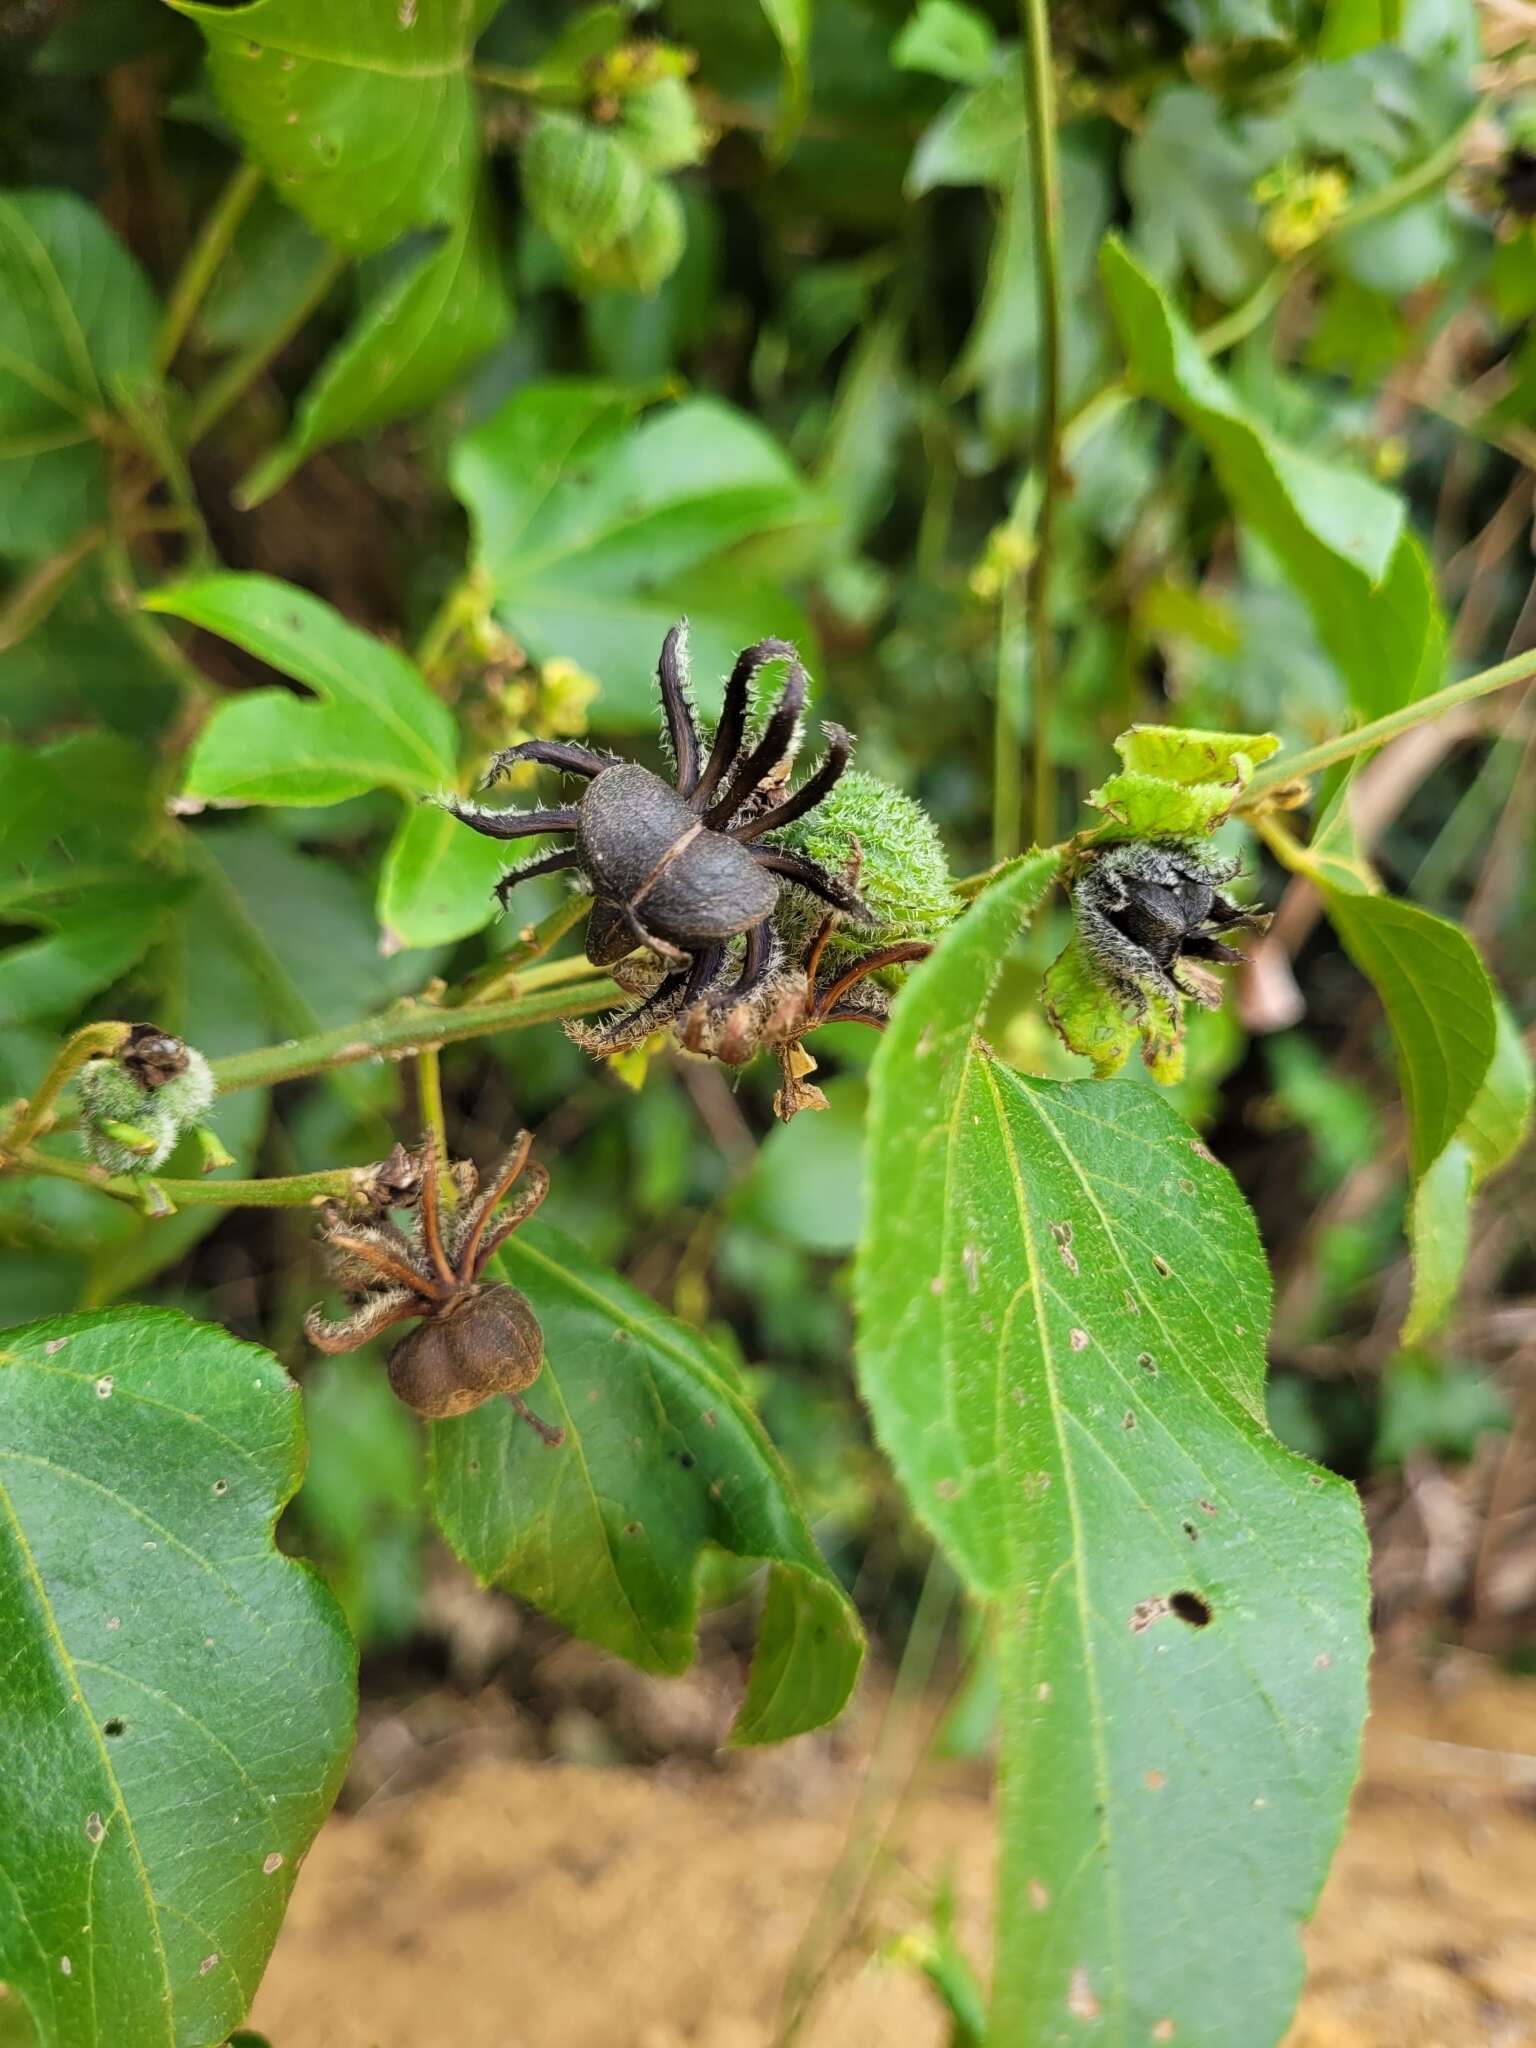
(1078, 1339)
(1145, 1612)
(1161, 1265)
(1155, 1781)
(1081, 2002)
(1039, 1897)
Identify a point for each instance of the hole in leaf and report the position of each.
(687, 1460)
(115, 1726)
(1190, 1608)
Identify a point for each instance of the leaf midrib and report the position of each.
(1114, 1916)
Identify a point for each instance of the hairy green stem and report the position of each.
(34, 1116)
(287, 1191)
(1345, 745)
(1040, 121)
(403, 1031)
(203, 259)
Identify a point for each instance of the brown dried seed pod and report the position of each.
(480, 1345)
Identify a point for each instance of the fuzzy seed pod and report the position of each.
(137, 1102)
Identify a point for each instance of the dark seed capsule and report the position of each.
(489, 1343)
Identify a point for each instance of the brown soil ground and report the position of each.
(523, 1904)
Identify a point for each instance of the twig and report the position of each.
(404, 1030)
(33, 1117)
(203, 259)
(287, 1191)
(1040, 122)
(1345, 745)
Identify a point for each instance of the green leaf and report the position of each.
(178, 1697)
(1063, 1306)
(375, 724)
(975, 139)
(1442, 1409)
(435, 316)
(436, 880)
(596, 534)
(1439, 1004)
(1495, 1127)
(1439, 1237)
(662, 1457)
(1440, 1213)
(361, 114)
(947, 38)
(77, 317)
(1188, 172)
(1339, 537)
(92, 937)
(790, 21)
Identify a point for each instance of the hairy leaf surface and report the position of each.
(662, 1457)
(361, 114)
(1063, 1307)
(176, 1700)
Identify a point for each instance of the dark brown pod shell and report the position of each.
(488, 1343)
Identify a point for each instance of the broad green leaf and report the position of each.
(375, 724)
(434, 317)
(790, 21)
(1439, 1215)
(92, 936)
(1444, 1409)
(89, 662)
(947, 38)
(597, 532)
(177, 1698)
(1439, 1004)
(975, 139)
(319, 969)
(1188, 171)
(1439, 1236)
(662, 1458)
(1339, 537)
(436, 881)
(360, 113)
(1495, 1126)
(77, 317)
(1062, 1308)
(1350, 26)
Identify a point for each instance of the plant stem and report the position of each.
(1040, 110)
(288, 1191)
(429, 1100)
(1345, 745)
(203, 259)
(403, 1031)
(34, 1116)
(220, 393)
(512, 971)
(1007, 755)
